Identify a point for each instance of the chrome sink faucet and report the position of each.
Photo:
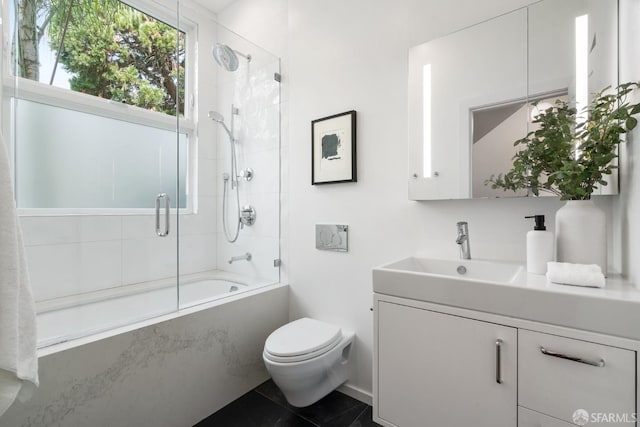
(463, 240)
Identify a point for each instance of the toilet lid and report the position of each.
(301, 337)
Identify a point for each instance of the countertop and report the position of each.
(612, 310)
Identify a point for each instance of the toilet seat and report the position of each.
(301, 340)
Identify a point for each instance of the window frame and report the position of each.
(15, 87)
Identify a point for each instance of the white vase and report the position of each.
(581, 234)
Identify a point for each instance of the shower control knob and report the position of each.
(247, 215)
(247, 174)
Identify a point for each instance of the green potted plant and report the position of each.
(568, 155)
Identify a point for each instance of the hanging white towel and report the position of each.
(565, 273)
(18, 358)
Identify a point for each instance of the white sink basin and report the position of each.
(490, 271)
(507, 289)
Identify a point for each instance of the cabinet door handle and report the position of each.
(597, 363)
(499, 361)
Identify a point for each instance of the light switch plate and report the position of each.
(332, 237)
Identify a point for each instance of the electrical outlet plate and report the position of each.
(332, 237)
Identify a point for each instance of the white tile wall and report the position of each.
(68, 269)
(267, 220)
(68, 255)
(284, 215)
(284, 260)
(207, 134)
(197, 252)
(207, 177)
(204, 221)
(265, 164)
(42, 230)
(143, 226)
(257, 129)
(263, 251)
(198, 229)
(148, 259)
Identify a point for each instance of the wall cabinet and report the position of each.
(442, 366)
(460, 132)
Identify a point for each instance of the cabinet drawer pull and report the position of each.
(498, 361)
(598, 363)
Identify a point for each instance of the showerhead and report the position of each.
(219, 118)
(227, 57)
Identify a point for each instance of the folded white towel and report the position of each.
(18, 358)
(565, 273)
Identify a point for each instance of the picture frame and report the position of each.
(333, 149)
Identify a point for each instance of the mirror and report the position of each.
(494, 130)
(471, 92)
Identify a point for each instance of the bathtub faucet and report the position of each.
(246, 256)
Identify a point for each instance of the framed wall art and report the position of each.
(333, 149)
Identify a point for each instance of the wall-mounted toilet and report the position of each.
(308, 359)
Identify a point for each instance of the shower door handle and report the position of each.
(167, 204)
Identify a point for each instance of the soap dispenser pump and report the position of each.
(539, 246)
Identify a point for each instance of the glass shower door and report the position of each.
(230, 239)
(97, 159)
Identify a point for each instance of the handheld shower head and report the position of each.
(216, 117)
(219, 118)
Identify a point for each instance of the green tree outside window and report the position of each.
(110, 49)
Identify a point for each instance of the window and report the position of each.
(75, 160)
(102, 48)
(97, 87)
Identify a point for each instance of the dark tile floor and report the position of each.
(265, 406)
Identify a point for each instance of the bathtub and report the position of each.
(68, 318)
(172, 370)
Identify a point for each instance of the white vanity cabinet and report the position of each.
(558, 376)
(441, 370)
(442, 366)
(529, 418)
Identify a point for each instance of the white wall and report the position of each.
(343, 55)
(627, 206)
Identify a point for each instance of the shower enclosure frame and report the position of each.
(15, 87)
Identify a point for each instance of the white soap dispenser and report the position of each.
(539, 246)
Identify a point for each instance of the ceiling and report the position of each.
(215, 5)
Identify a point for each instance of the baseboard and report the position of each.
(356, 393)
